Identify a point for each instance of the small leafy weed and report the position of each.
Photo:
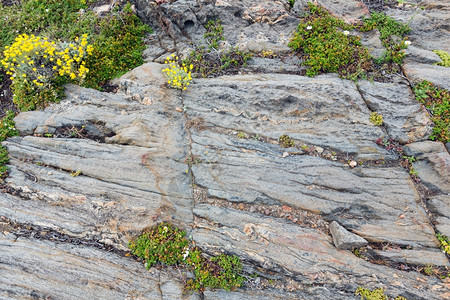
(286, 141)
(376, 118)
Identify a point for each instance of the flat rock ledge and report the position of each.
(90, 173)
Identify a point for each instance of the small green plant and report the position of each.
(445, 56)
(268, 54)
(376, 118)
(241, 135)
(213, 60)
(214, 33)
(193, 160)
(7, 129)
(178, 77)
(75, 173)
(377, 294)
(286, 141)
(444, 243)
(389, 29)
(437, 101)
(7, 126)
(291, 3)
(164, 244)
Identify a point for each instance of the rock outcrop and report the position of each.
(90, 173)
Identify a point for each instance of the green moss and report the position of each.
(437, 101)
(445, 56)
(376, 119)
(286, 141)
(166, 245)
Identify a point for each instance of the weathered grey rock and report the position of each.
(421, 56)
(248, 25)
(344, 239)
(303, 253)
(404, 118)
(440, 207)
(438, 75)
(348, 10)
(416, 257)
(133, 171)
(319, 293)
(371, 40)
(42, 269)
(325, 111)
(27, 122)
(266, 65)
(433, 165)
(102, 10)
(429, 27)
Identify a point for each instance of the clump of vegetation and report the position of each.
(7, 129)
(241, 135)
(376, 118)
(213, 60)
(178, 76)
(47, 43)
(286, 141)
(377, 294)
(328, 46)
(444, 243)
(54, 26)
(118, 41)
(163, 244)
(392, 35)
(37, 65)
(218, 272)
(445, 56)
(437, 101)
(166, 245)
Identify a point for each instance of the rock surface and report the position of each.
(90, 173)
(345, 240)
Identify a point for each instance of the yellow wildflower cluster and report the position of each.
(179, 77)
(37, 60)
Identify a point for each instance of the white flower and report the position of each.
(46, 10)
(346, 32)
(309, 28)
(185, 254)
(407, 43)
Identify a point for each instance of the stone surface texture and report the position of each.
(88, 174)
(345, 240)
